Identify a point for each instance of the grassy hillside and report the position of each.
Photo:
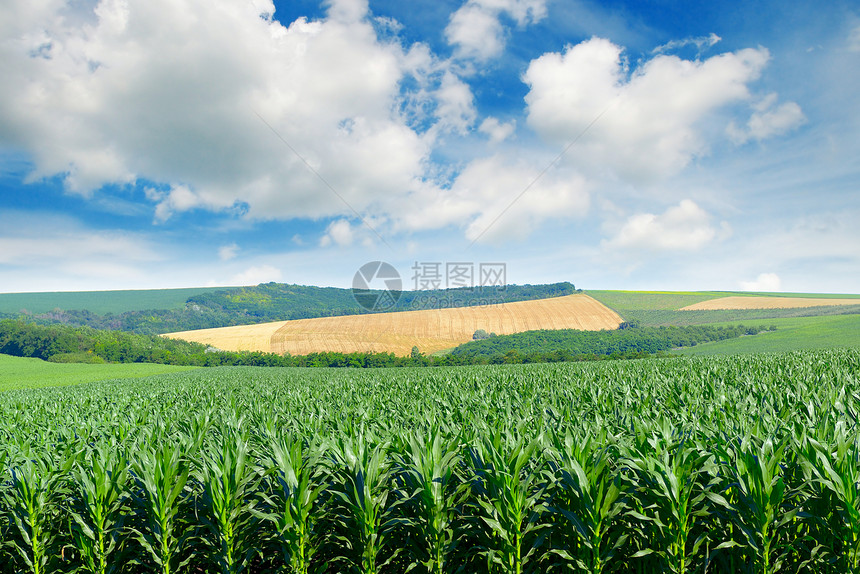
(800, 328)
(661, 309)
(101, 302)
(170, 310)
(21, 373)
(824, 332)
(623, 301)
(431, 330)
(801, 295)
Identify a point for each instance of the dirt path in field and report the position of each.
(756, 302)
(429, 330)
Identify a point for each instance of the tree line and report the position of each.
(570, 344)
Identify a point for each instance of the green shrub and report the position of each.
(87, 358)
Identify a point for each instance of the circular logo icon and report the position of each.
(377, 286)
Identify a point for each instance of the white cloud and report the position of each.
(348, 10)
(228, 252)
(700, 42)
(476, 30)
(500, 198)
(768, 282)
(339, 233)
(686, 227)
(178, 198)
(641, 125)
(173, 92)
(768, 120)
(496, 130)
(256, 275)
(456, 106)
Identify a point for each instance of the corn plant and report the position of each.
(291, 500)
(99, 510)
(671, 483)
(161, 472)
(33, 500)
(433, 493)
(835, 469)
(758, 502)
(360, 475)
(4, 455)
(229, 482)
(510, 501)
(588, 500)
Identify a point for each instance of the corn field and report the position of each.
(723, 464)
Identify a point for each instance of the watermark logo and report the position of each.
(376, 286)
(433, 275)
(449, 284)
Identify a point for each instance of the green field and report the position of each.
(827, 332)
(100, 301)
(741, 459)
(790, 295)
(659, 465)
(803, 328)
(20, 373)
(665, 318)
(622, 301)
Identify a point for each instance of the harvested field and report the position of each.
(756, 302)
(429, 330)
(241, 338)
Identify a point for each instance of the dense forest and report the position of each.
(63, 343)
(568, 344)
(283, 302)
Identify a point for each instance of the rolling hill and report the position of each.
(430, 330)
(169, 310)
(767, 302)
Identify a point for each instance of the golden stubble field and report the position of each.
(429, 330)
(764, 302)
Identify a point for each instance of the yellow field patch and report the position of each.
(763, 302)
(429, 330)
(241, 338)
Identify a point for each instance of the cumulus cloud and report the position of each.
(456, 106)
(476, 31)
(500, 198)
(200, 98)
(177, 198)
(496, 130)
(768, 282)
(768, 120)
(642, 125)
(339, 233)
(685, 227)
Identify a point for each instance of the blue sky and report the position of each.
(618, 145)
